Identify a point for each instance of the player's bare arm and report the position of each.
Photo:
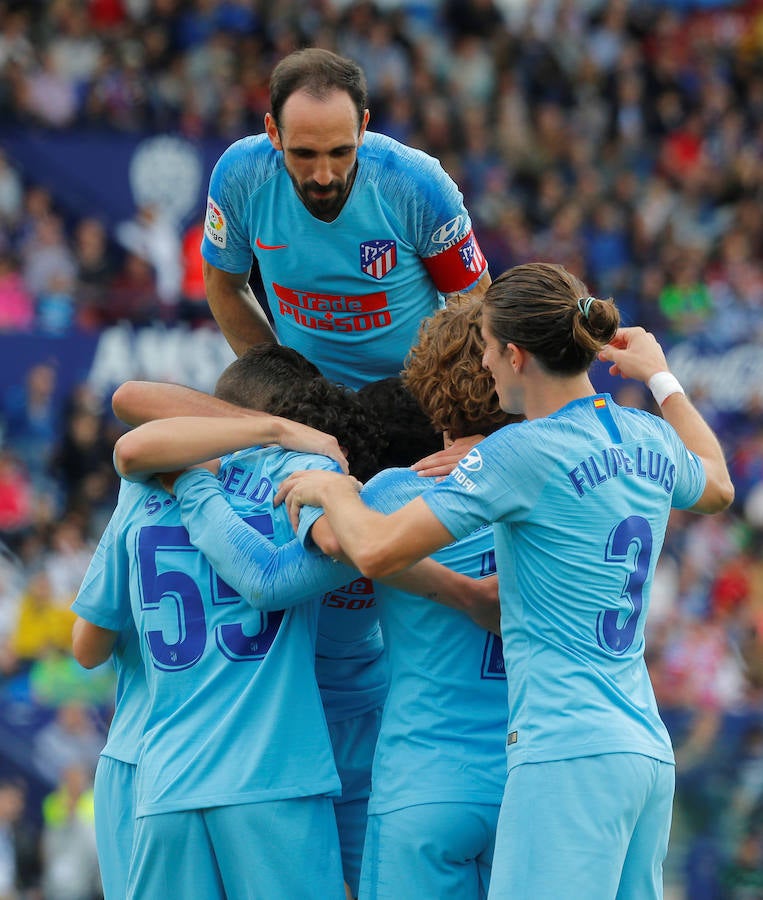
(136, 402)
(477, 597)
(378, 544)
(235, 308)
(635, 353)
(165, 445)
(91, 644)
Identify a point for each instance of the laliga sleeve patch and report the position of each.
(215, 227)
(459, 267)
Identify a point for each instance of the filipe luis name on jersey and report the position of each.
(334, 312)
(614, 462)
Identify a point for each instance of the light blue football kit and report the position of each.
(590, 783)
(350, 665)
(236, 730)
(348, 294)
(100, 600)
(351, 670)
(440, 766)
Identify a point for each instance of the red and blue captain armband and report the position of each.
(459, 267)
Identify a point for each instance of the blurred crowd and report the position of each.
(622, 139)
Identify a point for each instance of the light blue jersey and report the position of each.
(348, 294)
(575, 568)
(235, 713)
(103, 600)
(444, 723)
(350, 665)
(349, 661)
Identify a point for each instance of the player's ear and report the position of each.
(271, 129)
(517, 357)
(363, 125)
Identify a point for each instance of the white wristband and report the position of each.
(662, 385)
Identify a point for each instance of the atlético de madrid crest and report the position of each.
(378, 257)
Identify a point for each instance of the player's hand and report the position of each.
(634, 353)
(310, 488)
(444, 461)
(168, 479)
(303, 438)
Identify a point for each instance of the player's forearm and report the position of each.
(91, 644)
(679, 411)
(474, 597)
(136, 402)
(236, 310)
(165, 445)
(372, 540)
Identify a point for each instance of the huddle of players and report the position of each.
(260, 681)
(238, 750)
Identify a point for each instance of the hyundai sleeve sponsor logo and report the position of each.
(447, 233)
(472, 462)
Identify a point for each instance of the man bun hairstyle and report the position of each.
(548, 311)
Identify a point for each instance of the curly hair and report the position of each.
(338, 411)
(444, 372)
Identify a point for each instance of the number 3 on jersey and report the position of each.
(631, 536)
(161, 549)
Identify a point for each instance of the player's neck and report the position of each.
(546, 396)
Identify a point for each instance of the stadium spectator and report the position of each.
(154, 238)
(20, 862)
(42, 624)
(17, 307)
(31, 421)
(96, 268)
(11, 194)
(70, 865)
(70, 740)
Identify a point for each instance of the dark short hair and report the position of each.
(318, 72)
(407, 433)
(545, 309)
(261, 375)
(281, 381)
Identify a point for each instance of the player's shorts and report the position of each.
(252, 851)
(114, 798)
(591, 828)
(354, 742)
(431, 850)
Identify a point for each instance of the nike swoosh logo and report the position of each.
(270, 246)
